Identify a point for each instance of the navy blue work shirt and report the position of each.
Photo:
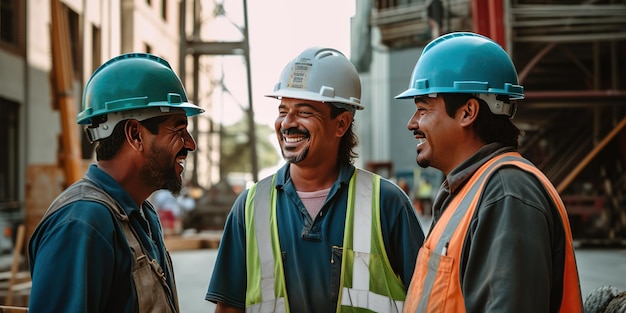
(311, 249)
(80, 260)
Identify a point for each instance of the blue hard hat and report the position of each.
(464, 62)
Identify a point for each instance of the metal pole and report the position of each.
(183, 41)
(196, 66)
(251, 124)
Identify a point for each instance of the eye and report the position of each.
(181, 131)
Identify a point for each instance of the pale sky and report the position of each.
(278, 31)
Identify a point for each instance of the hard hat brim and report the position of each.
(312, 96)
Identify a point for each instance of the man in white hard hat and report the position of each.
(319, 235)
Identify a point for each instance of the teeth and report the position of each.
(293, 140)
(421, 141)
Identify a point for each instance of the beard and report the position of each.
(295, 158)
(423, 163)
(160, 172)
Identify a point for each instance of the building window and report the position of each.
(8, 153)
(73, 21)
(96, 47)
(12, 23)
(164, 9)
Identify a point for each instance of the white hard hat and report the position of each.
(321, 74)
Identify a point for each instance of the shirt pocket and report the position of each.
(430, 285)
(336, 257)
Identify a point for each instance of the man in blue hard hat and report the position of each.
(99, 247)
(500, 240)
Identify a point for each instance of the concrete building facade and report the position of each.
(98, 30)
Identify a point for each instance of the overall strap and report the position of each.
(86, 189)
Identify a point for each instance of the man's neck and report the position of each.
(313, 178)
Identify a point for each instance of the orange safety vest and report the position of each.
(436, 282)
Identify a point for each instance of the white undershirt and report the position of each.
(313, 200)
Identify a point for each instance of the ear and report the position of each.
(469, 112)
(343, 123)
(132, 130)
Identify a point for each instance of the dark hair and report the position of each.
(346, 154)
(489, 127)
(108, 147)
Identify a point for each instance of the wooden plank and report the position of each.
(12, 309)
(63, 76)
(44, 182)
(15, 266)
(592, 154)
(193, 242)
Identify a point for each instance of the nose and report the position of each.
(413, 123)
(189, 142)
(288, 120)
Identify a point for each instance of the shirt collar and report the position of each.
(459, 175)
(113, 188)
(345, 173)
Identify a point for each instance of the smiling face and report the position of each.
(166, 154)
(306, 132)
(436, 132)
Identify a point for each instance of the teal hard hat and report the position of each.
(464, 62)
(132, 85)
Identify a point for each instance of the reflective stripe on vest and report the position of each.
(267, 292)
(363, 212)
(436, 283)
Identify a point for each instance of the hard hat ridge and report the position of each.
(464, 62)
(137, 84)
(321, 74)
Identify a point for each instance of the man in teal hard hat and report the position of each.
(99, 247)
(500, 240)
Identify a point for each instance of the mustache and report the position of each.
(418, 132)
(294, 131)
(183, 152)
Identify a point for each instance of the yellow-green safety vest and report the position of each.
(368, 282)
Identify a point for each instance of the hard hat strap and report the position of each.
(497, 106)
(104, 128)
